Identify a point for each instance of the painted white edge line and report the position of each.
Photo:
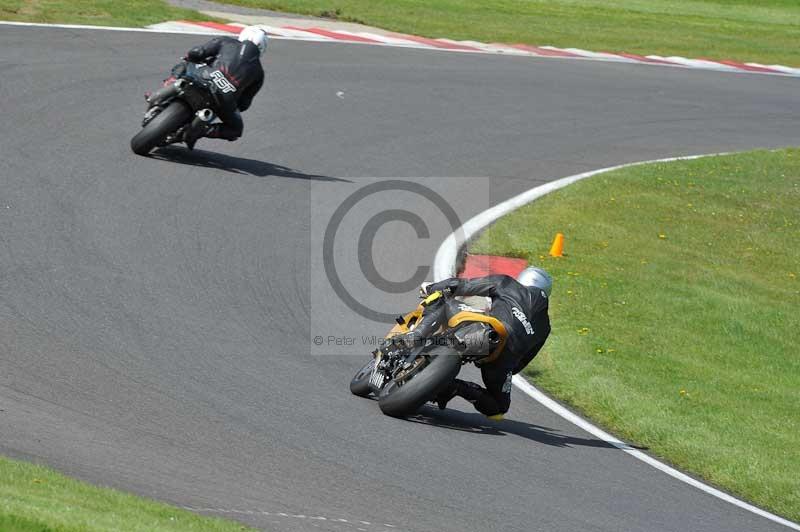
(105, 28)
(787, 70)
(444, 267)
(778, 70)
(181, 27)
(601, 55)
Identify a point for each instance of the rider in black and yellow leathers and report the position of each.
(522, 306)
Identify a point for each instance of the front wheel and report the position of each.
(167, 121)
(360, 384)
(405, 395)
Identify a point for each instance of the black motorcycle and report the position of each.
(408, 370)
(186, 102)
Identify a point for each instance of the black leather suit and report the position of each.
(240, 64)
(523, 311)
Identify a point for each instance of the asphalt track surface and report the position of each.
(156, 314)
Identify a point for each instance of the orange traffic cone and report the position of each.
(557, 249)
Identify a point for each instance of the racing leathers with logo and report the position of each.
(234, 66)
(240, 64)
(524, 312)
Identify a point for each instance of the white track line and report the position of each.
(444, 267)
(384, 39)
(701, 64)
(198, 31)
(291, 32)
(781, 68)
(491, 48)
(181, 27)
(601, 55)
(177, 27)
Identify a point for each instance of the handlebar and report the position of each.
(428, 299)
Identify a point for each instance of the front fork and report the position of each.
(165, 93)
(158, 98)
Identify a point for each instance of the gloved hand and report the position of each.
(428, 289)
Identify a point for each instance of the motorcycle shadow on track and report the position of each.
(478, 424)
(233, 164)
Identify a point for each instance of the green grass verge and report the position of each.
(676, 312)
(131, 13)
(37, 499)
(767, 31)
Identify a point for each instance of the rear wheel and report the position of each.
(405, 395)
(360, 384)
(167, 121)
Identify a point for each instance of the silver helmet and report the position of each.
(533, 277)
(255, 35)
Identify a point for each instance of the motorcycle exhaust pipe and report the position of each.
(205, 115)
(476, 339)
(202, 118)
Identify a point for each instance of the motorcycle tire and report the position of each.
(167, 121)
(360, 384)
(404, 399)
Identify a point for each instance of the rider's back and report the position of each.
(240, 62)
(524, 313)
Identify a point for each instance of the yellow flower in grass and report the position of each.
(662, 236)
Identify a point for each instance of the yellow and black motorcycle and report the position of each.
(424, 352)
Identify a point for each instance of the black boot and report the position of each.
(446, 395)
(195, 133)
(481, 399)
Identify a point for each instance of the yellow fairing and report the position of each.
(408, 318)
(416, 313)
(461, 317)
(496, 324)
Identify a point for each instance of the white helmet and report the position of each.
(536, 278)
(255, 35)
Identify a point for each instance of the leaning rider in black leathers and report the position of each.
(521, 305)
(239, 61)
